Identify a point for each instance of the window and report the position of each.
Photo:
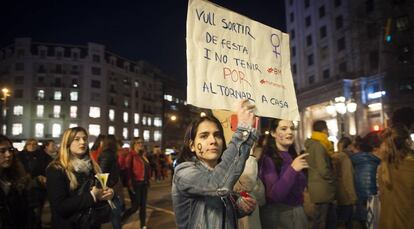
(71, 125)
(56, 130)
(39, 130)
(17, 129)
(309, 40)
(157, 122)
(136, 118)
(125, 117)
(57, 95)
(157, 135)
(292, 34)
(337, 3)
(40, 94)
(40, 109)
(74, 96)
(311, 79)
(322, 32)
(94, 129)
(310, 59)
(144, 120)
(308, 21)
(18, 110)
(293, 51)
(111, 130)
(321, 11)
(75, 83)
(94, 112)
(325, 74)
(292, 17)
(95, 84)
(136, 132)
(126, 103)
(369, 6)
(96, 58)
(96, 71)
(168, 98)
(111, 114)
(125, 133)
(339, 22)
(341, 44)
(342, 67)
(56, 111)
(136, 84)
(324, 52)
(73, 111)
(307, 3)
(147, 135)
(149, 121)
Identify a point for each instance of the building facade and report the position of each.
(355, 52)
(57, 86)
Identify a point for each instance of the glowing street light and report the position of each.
(173, 118)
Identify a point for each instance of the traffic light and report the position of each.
(387, 35)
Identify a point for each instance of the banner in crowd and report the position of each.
(231, 57)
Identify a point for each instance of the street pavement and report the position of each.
(159, 209)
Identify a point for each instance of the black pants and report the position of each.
(139, 202)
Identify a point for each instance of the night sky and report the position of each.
(151, 30)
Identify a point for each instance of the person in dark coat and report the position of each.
(67, 175)
(13, 187)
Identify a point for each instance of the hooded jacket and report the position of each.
(365, 170)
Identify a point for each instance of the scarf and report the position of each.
(82, 165)
(323, 139)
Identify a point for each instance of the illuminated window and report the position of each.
(136, 118)
(56, 130)
(40, 94)
(56, 111)
(71, 125)
(157, 135)
(125, 133)
(17, 128)
(57, 95)
(73, 111)
(136, 132)
(94, 112)
(125, 116)
(149, 121)
(157, 122)
(18, 110)
(147, 135)
(94, 129)
(74, 96)
(168, 98)
(111, 114)
(111, 130)
(40, 109)
(39, 130)
(144, 120)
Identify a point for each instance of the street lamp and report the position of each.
(341, 106)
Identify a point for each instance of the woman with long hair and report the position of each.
(396, 179)
(13, 187)
(69, 185)
(281, 172)
(203, 182)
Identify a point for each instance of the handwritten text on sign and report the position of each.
(230, 57)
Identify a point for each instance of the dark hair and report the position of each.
(47, 142)
(343, 143)
(371, 141)
(270, 147)
(186, 154)
(109, 143)
(404, 116)
(319, 125)
(97, 142)
(15, 173)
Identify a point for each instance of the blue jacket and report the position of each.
(365, 171)
(202, 196)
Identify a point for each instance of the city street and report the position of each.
(159, 209)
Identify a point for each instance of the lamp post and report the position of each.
(341, 106)
(5, 92)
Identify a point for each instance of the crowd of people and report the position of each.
(249, 181)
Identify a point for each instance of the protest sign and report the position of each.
(231, 57)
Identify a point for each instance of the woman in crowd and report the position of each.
(108, 161)
(203, 182)
(281, 172)
(365, 161)
(96, 148)
(138, 168)
(396, 179)
(344, 172)
(13, 184)
(69, 183)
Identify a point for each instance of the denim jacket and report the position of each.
(202, 197)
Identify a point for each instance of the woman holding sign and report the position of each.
(71, 191)
(203, 181)
(281, 172)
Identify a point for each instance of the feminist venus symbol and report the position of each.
(274, 39)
